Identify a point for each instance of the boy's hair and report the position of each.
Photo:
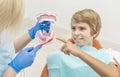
(90, 17)
(11, 13)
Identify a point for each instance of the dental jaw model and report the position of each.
(45, 35)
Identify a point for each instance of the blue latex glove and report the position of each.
(24, 58)
(45, 25)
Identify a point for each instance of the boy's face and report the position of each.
(81, 34)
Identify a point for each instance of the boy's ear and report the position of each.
(96, 33)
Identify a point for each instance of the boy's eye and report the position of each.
(73, 28)
(82, 28)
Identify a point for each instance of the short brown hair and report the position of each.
(90, 17)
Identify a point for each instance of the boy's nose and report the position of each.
(77, 32)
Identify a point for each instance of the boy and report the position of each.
(85, 61)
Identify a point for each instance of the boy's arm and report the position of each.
(104, 70)
(100, 67)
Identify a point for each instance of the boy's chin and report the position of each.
(79, 44)
(83, 43)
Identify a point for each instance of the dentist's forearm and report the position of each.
(21, 42)
(10, 72)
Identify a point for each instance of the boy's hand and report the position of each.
(68, 47)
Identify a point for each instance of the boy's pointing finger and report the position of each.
(62, 40)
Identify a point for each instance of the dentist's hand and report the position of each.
(24, 58)
(44, 25)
